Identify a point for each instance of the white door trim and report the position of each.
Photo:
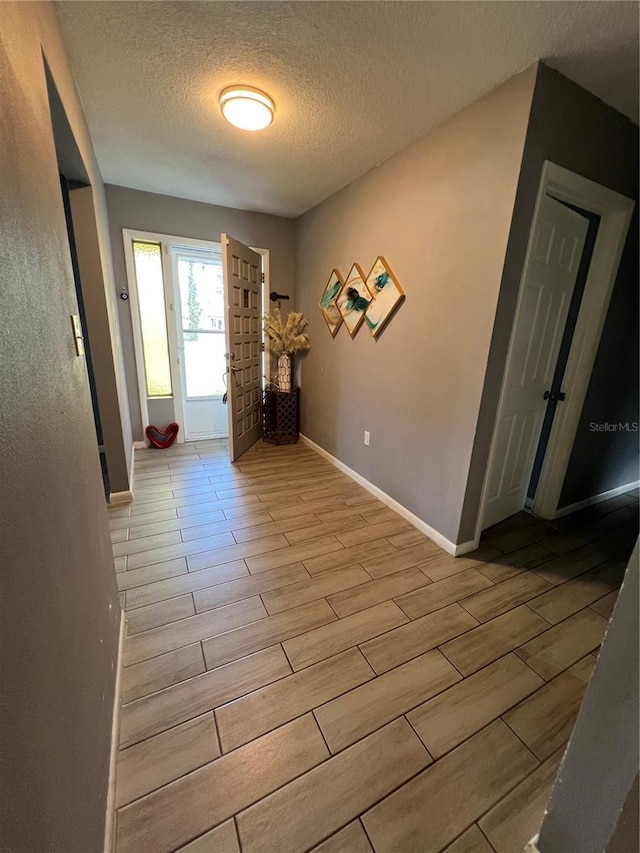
(110, 822)
(615, 213)
(266, 260)
(166, 241)
(127, 238)
(171, 300)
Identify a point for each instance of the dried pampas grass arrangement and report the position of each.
(286, 336)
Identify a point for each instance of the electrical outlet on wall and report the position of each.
(367, 437)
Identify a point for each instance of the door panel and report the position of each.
(548, 282)
(243, 285)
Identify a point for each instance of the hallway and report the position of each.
(304, 670)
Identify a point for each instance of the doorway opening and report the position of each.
(179, 321)
(73, 178)
(555, 392)
(576, 240)
(200, 327)
(66, 186)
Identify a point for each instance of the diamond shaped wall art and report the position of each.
(330, 312)
(387, 296)
(354, 299)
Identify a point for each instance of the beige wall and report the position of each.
(440, 213)
(162, 214)
(60, 614)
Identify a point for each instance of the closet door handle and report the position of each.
(558, 398)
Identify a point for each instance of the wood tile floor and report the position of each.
(306, 671)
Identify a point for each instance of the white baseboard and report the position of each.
(139, 445)
(133, 466)
(110, 821)
(418, 523)
(466, 548)
(206, 436)
(596, 499)
(120, 498)
(532, 846)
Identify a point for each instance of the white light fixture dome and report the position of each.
(246, 107)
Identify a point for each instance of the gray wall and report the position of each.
(600, 765)
(183, 218)
(626, 836)
(88, 212)
(574, 129)
(59, 606)
(595, 141)
(440, 213)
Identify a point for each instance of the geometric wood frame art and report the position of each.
(328, 305)
(387, 296)
(353, 300)
(372, 300)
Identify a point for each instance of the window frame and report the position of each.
(149, 395)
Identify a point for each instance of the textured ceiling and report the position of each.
(353, 83)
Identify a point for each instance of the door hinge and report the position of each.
(262, 277)
(262, 347)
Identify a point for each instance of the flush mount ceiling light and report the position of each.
(246, 107)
